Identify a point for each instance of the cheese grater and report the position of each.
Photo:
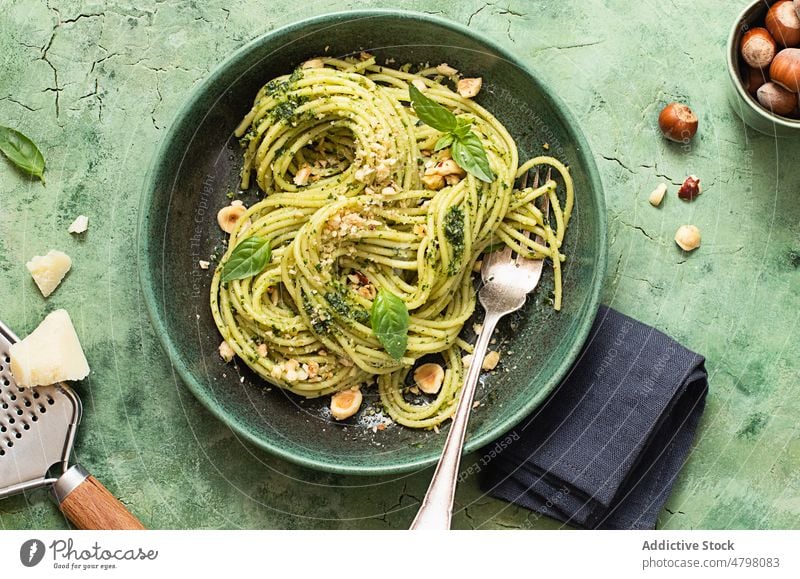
(37, 431)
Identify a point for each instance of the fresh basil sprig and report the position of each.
(444, 141)
(468, 153)
(467, 149)
(389, 318)
(249, 258)
(21, 151)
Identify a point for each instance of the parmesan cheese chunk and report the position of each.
(48, 270)
(80, 225)
(51, 353)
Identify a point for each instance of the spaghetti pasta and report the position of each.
(356, 202)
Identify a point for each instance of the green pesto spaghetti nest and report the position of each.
(358, 261)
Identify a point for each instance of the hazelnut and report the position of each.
(785, 69)
(690, 188)
(777, 99)
(469, 87)
(346, 403)
(446, 167)
(359, 278)
(491, 360)
(274, 295)
(754, 78)
(367, 291)
(225, 351)
(678, 122)
(657, 196)
(364, 174)
(433, 182)
(229, 216)
(429, 378)
(421, 86)
(302, 175)
(783, 23)
(688, 237)
(758, 47)
(446, 70)
(295, 372)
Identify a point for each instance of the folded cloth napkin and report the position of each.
(605, 448)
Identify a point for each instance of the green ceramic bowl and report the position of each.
(198, 163)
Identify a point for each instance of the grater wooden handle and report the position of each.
(89, 505)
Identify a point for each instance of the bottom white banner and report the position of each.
(404, 554)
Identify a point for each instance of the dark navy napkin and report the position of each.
(605, 448)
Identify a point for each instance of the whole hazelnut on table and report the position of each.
(758, 47)
(783, 23)
(678, 122)
(785, 69)
(777, 99)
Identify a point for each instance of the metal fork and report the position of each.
(507, 280)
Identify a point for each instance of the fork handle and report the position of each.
(437, 506)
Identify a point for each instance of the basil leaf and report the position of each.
(463, 129)
(468, 152)
(389, 318)
(466, 148)
(249, 258)
(444, 141)
(21, 151)
(430, 112)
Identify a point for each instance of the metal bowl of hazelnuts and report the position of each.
(764, 67)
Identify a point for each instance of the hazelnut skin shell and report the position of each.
(783, 23)
(785, 69)
(777, 99)
(754, 79)
(678, 123)
(758, 48)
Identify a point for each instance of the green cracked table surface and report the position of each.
(96, 83)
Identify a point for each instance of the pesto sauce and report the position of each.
(454, 232)
(277, 87)
(285, 109)
(319, 325)
(343, 305)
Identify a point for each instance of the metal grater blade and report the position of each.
(37, 427)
